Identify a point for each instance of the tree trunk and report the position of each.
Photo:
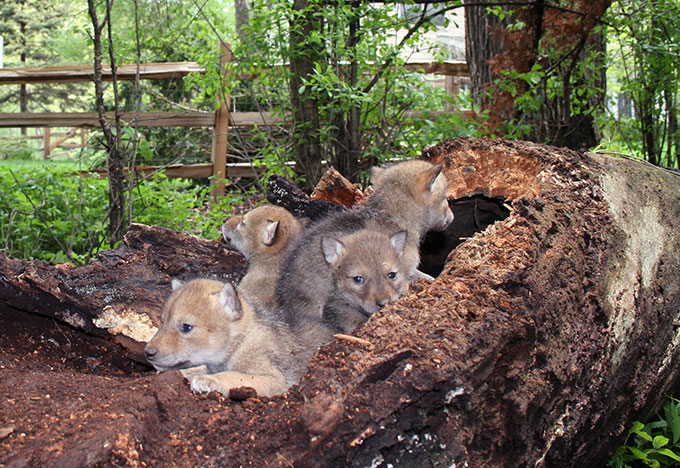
(554, 39)
(306, 120)
(546, 334)
(347, 143)
(242, 16)
(115, 158)
(480, 46)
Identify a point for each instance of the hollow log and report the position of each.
(548, 331)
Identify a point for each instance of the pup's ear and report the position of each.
(270, 232)
(332, 249)
(230, 302)
(424, 181)
(176, 284)
(398, 240)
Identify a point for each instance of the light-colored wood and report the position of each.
(218, 155)
(89, 119)
(188, 171)
(250, 119)
(440, 68)
(84, 73)
(165, 70)
(146, 119)
(62, 138)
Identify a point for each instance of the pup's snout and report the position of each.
(150, 353)
(381, 303)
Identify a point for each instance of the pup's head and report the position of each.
(266, 229)
(199, 319)
(367, 268)
(425, 184)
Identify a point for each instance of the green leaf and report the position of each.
(637, 453)
(673, 419)
(668, 453)
(638, 430)
(660, 441)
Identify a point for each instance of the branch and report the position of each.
(388, 62)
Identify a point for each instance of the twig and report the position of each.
(353, 339)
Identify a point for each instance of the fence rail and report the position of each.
(219, 121)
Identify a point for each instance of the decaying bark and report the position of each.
(544, 336)
(124, 289)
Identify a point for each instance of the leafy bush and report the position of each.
(57, 215)
(16, 149)
(654, 444)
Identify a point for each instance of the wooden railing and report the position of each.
(219, 121)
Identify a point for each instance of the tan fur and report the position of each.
(408, 196)
(413, 195)
(367, 272)
(264, 236)
(206, 323)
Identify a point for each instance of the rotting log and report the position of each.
(545, 335)
(120, 293)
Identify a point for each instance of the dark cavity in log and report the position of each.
(471, 214)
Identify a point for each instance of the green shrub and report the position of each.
(16, 149)
(57, 215)
(654, 444)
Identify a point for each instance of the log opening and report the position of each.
(471, 215)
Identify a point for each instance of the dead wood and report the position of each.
(124, 289)
(335, 188)
(545, 335)
(282, 192)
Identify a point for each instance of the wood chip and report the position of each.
(5, 431)
(353, 339)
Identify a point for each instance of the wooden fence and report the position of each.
(219, 121)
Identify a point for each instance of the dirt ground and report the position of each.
(68, 399)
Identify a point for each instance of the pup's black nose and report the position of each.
(381, 303)
(150, 353)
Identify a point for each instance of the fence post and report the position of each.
(46, 142)
(221, 129)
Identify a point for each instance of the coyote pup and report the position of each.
(206, 323)
(264, 236)
(366, 270)
(409, 196)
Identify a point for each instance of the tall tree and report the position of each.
(26, 26)
(541, 60)
(346, 81)
(306, 53)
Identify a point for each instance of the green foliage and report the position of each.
(55, 215)
(644, 50)
(655, 444)
(383, 95)
(50, 214)
(16, 149)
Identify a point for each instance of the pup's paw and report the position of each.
(204, 384)
(192, 371)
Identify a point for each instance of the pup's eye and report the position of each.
(392, 275)
(185, 327)
(358, 279)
